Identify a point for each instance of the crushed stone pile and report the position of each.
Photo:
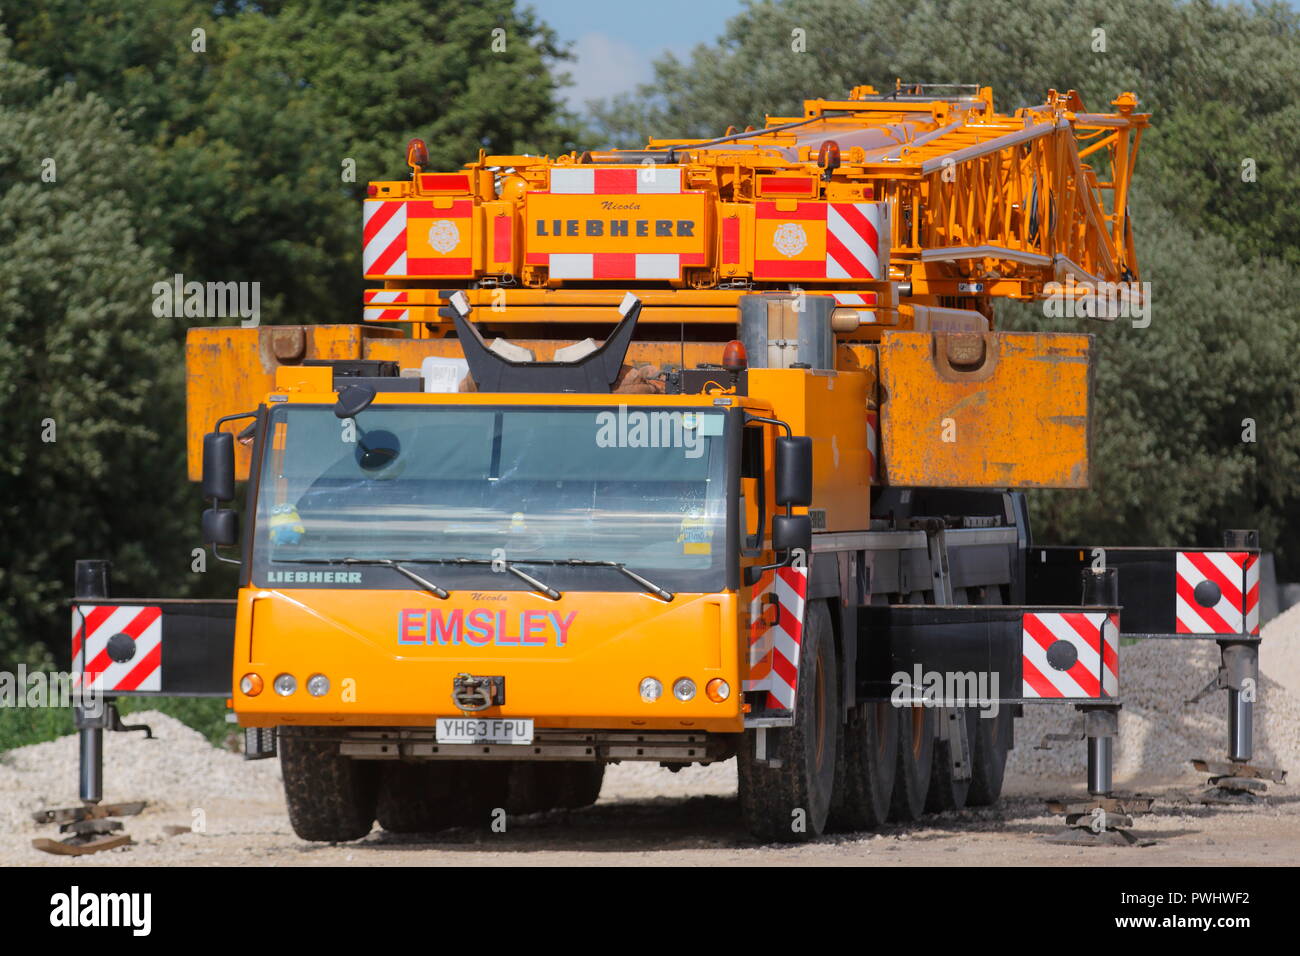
(178, 771)
(1159, 732)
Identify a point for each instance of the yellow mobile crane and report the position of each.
(773, 513)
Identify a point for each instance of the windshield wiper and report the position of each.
(661, 593)
(535, 584)
(423, 582)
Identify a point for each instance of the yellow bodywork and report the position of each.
(611, 642)
(992, 410)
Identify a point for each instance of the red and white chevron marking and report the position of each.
(614, 265)
(385, 315)
(776, 615)
(1233, 584)
(386, 296)
(1090, 648)
(383, 230)
(624, 181)
(94, 625)
(1252, 593)
(854, 233)
(389, 298)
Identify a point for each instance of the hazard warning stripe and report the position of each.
(385, 296)
(775, 640)
(1252, 593)
(614, 265)
(383, 250)
(386, 315)
(95, 625)
(1092, 638)
(1237, 601)
(638, 179)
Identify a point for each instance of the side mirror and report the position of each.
(791, 532)
(219, 466)
(220, 526)
(353, 400)
(794, 477)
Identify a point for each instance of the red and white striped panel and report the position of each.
(865, 316)
(854, 233)
(131, 662)
(1217, 592)
(383, 231)
(1252, 593)
(386, 305)
(776, 614)
(615, 265)
(622, 181)
(1069, 654)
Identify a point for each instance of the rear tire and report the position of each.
(868, 764)
(425, 797)
(990, 740)
(791, 803)
(946, 791)
(330, 798)
(579, 784)
(915, 762)
(988, 757)
(538, 786)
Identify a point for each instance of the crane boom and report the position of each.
(921, 196)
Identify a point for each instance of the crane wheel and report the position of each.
(945, 791)
(330, 798)
(915, 762)
(579, 783)
(538, 786)
(430, 796)
(868, 763)
(790, 803)
(989, 756)
(990, 740)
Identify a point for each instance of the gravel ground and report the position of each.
(647, 815)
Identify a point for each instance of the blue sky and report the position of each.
(615, 41)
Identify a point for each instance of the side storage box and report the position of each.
(985, 409)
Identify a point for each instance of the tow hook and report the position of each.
(470, 693)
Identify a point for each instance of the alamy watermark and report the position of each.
(641, 429)
(208, 300)
(38, 688)
(1098, 300)
(946, 689)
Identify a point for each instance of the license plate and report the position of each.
(485, 730)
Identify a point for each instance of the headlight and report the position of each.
(684, 688)
(285, 685)
(651, 690)
(318, 685)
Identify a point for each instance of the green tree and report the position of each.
(90, 384)
(262, 141)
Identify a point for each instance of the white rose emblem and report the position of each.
(790, 239)
(444, 236)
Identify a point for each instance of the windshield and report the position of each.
(644, 487)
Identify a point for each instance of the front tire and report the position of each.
(330, 798)
(790, 803)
